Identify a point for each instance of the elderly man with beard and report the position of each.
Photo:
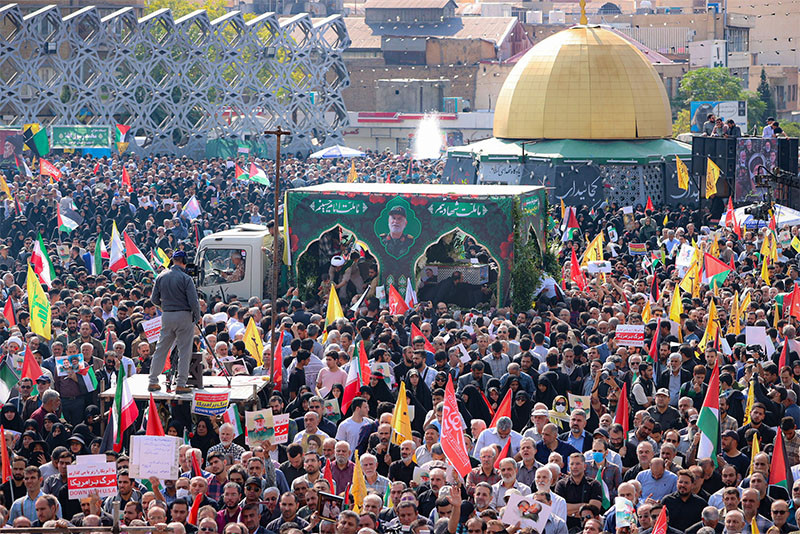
(342, 468)
(403, 469)
(508, 475)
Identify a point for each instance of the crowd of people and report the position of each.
(553, 446)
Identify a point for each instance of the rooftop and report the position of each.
(407, 4)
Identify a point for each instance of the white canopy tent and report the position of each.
(784, 216)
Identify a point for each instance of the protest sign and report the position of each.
(155, 456)
(331, 410)
(637, 249)
(65, 364)
(84, 479)
(582, 402)
(260, 427)
(152, 329)
(87, 459)
(527, 512)
(685, 256)
(624, 512)
(281, 423)
(204, 403)
(599, 266)
(630, 335)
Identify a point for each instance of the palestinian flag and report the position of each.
(8, 379)
(121, 137)
(68, 218)
(36, 139)
(124, 409)
(606, 501)
(780, 473)
(655, 294)
(231, 416)
(714, 271)
(40, 261)
(89, 379)
(134, 256)
(569, 226)
(239, 173)
(708, 422)
(257, 174)
(23, 169)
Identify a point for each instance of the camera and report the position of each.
(604, 376)
(192, 270)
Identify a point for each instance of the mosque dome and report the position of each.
(585, 82)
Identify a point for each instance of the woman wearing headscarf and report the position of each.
(11, 417)
(545, 392)
(521, 410)
(204, 436)
(419, 396)
(92, 420)
(380, 393)
(299, 406)
(174, 428)
(475, 405)
(58, 436)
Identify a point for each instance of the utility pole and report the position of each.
(275, 249)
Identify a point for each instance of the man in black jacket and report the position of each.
(673, 377)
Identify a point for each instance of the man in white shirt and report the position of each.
(508, 481)
(768, 132)
(544, 479)
(499, 436)
(311, 423)
(350, 428)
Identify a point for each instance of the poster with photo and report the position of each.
(260, 427)
(72, 362)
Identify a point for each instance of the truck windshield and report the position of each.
(222, 266)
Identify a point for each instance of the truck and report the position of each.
(236, 263)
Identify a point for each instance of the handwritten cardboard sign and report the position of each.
(87, 478)
(630, 335)
(155, 456)
(152, 329)
(204, 403)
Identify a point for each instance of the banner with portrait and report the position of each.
(751, 154)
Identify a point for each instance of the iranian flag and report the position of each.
(68, 218)
(134, 256)
(708, 422)
(117, 258)
(124, 410)
(8, 379)
(40, 261)
(231, 416)
(100, 252)
(714, 271)
(357, 376)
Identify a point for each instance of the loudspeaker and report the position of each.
(787, 154)
(722, 151)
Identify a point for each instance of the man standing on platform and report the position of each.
(175, 292)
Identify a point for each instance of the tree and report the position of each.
(180, 8)
(756, 110)
(766, 96)
(710, 84)
(791, 129)
(682, 123)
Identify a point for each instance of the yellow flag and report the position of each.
(352, 176)
(765, 270)
(676, 307)
(796, 244)
(358, 488)
(745, 304)
(666, 220)
(712, 175)
(714, 248)
(401, 422)
(766, 246)
(691, 279)
(712, 327)
(252, 341)
(334, 311)
(38, 305)
(736, 324)
(776, 316)
(755, 448)
(594, 250)
(647, 313)
(683, 174)
(563, 209)
(4, 188)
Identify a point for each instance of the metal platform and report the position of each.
(244, 389)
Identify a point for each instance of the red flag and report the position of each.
(397, 304)
(154, 427)
(575, 273)
(782, 359)
(48, 169)
(730, 220)
(364, 372)
(503, 453)
(277, 363)
(8, 313)
(415, 331)
(491, 410)
(653, 353)
(733, 267)
(793, 305)
(649, 205)
(196, 471)
(126, 180)
(97, 167)
(452, 437)
(504, 410)
(661, 523)
(327, 474)
(196, 236)
(622, 410)
(195, 508)
(30, 367)
(4, 457)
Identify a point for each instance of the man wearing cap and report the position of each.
(396, 242)
(175, 292)
(662, 413)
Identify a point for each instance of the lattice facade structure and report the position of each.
(179, 82)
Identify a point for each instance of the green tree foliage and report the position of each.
(180, 8)
(791, 129)
(756, 110)
(710, 84)
(765, 95)
(682, 123)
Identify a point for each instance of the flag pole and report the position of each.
(275, 237)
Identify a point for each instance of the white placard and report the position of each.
(155, 456)
(152, 329)
(685, 255)
(630, 335)
(603, 266)
(85, 479)
(757, 335)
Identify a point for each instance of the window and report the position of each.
(222, 266)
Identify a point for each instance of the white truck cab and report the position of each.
(236, 262)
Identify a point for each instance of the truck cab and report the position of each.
(235, 262)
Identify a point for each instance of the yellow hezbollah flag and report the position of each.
(4, 188)
(711, 327)
(751, 395)
(745, 303)
(358, 488)
(334, 311)
(676, 307)
(594, 250)
(252, 341)
(765, 270)
(776, 316)
(683, 174)
(712, 175)
(38, 305)
(736, 326)
(755, 448)
(692, 279)
(666, 220)
(647, 313)
(796, 244)
(563, 209)
(401, 422)
(352, 176)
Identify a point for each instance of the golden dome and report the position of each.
(586, 82)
